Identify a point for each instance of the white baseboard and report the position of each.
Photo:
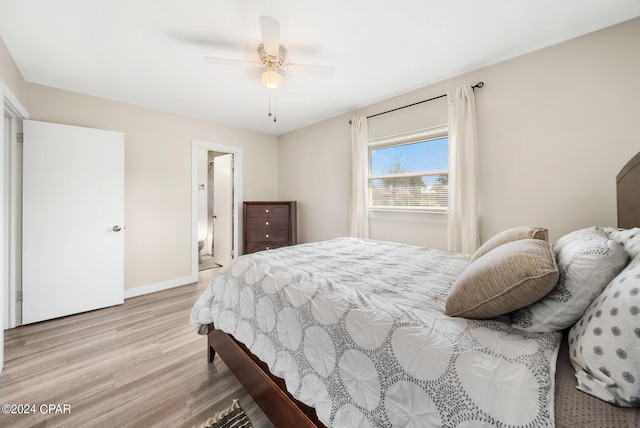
(159, 286)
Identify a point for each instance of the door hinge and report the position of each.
(18, 296)
(20, 137)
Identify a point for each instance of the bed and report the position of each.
(352, 332)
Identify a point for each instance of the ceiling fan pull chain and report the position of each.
(272, 97)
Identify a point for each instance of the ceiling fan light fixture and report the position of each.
(271, 79)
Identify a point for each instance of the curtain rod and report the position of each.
(477, 85)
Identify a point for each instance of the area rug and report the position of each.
(232, 417)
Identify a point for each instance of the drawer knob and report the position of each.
(266, 211)
(266, 223)
(266, 236)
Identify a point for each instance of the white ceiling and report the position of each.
(150, 52)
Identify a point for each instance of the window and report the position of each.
(410, 172)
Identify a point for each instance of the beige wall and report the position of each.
(10, 73)
(555, 126)
(316, 174)
(158, 173)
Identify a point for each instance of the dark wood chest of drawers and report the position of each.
(269, 225)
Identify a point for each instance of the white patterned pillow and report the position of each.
(629, 238)
(587, 260)
(586, 234)
(604, 344)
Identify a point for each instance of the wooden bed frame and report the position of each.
(283, 410)
(627, 190)
(267, 390)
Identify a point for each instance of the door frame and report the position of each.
(10, 195)
(197, 145)
(13, 109)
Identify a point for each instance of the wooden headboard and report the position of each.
(628, 194)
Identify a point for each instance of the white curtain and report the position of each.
(359, 217)
(463, 230)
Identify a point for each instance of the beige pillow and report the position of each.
(507, 278)
(513, 234)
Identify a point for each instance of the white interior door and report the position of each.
(73, 215)
(223, 208)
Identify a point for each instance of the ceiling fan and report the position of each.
(272, 57)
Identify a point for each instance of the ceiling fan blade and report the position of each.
(312, 70)
(230, 61)
(270, 35)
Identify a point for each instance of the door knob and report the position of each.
(117, 228)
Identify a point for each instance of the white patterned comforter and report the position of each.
(357, 330)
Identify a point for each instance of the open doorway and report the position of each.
(217, 201)
(215, 209)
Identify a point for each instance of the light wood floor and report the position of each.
(139, 364)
